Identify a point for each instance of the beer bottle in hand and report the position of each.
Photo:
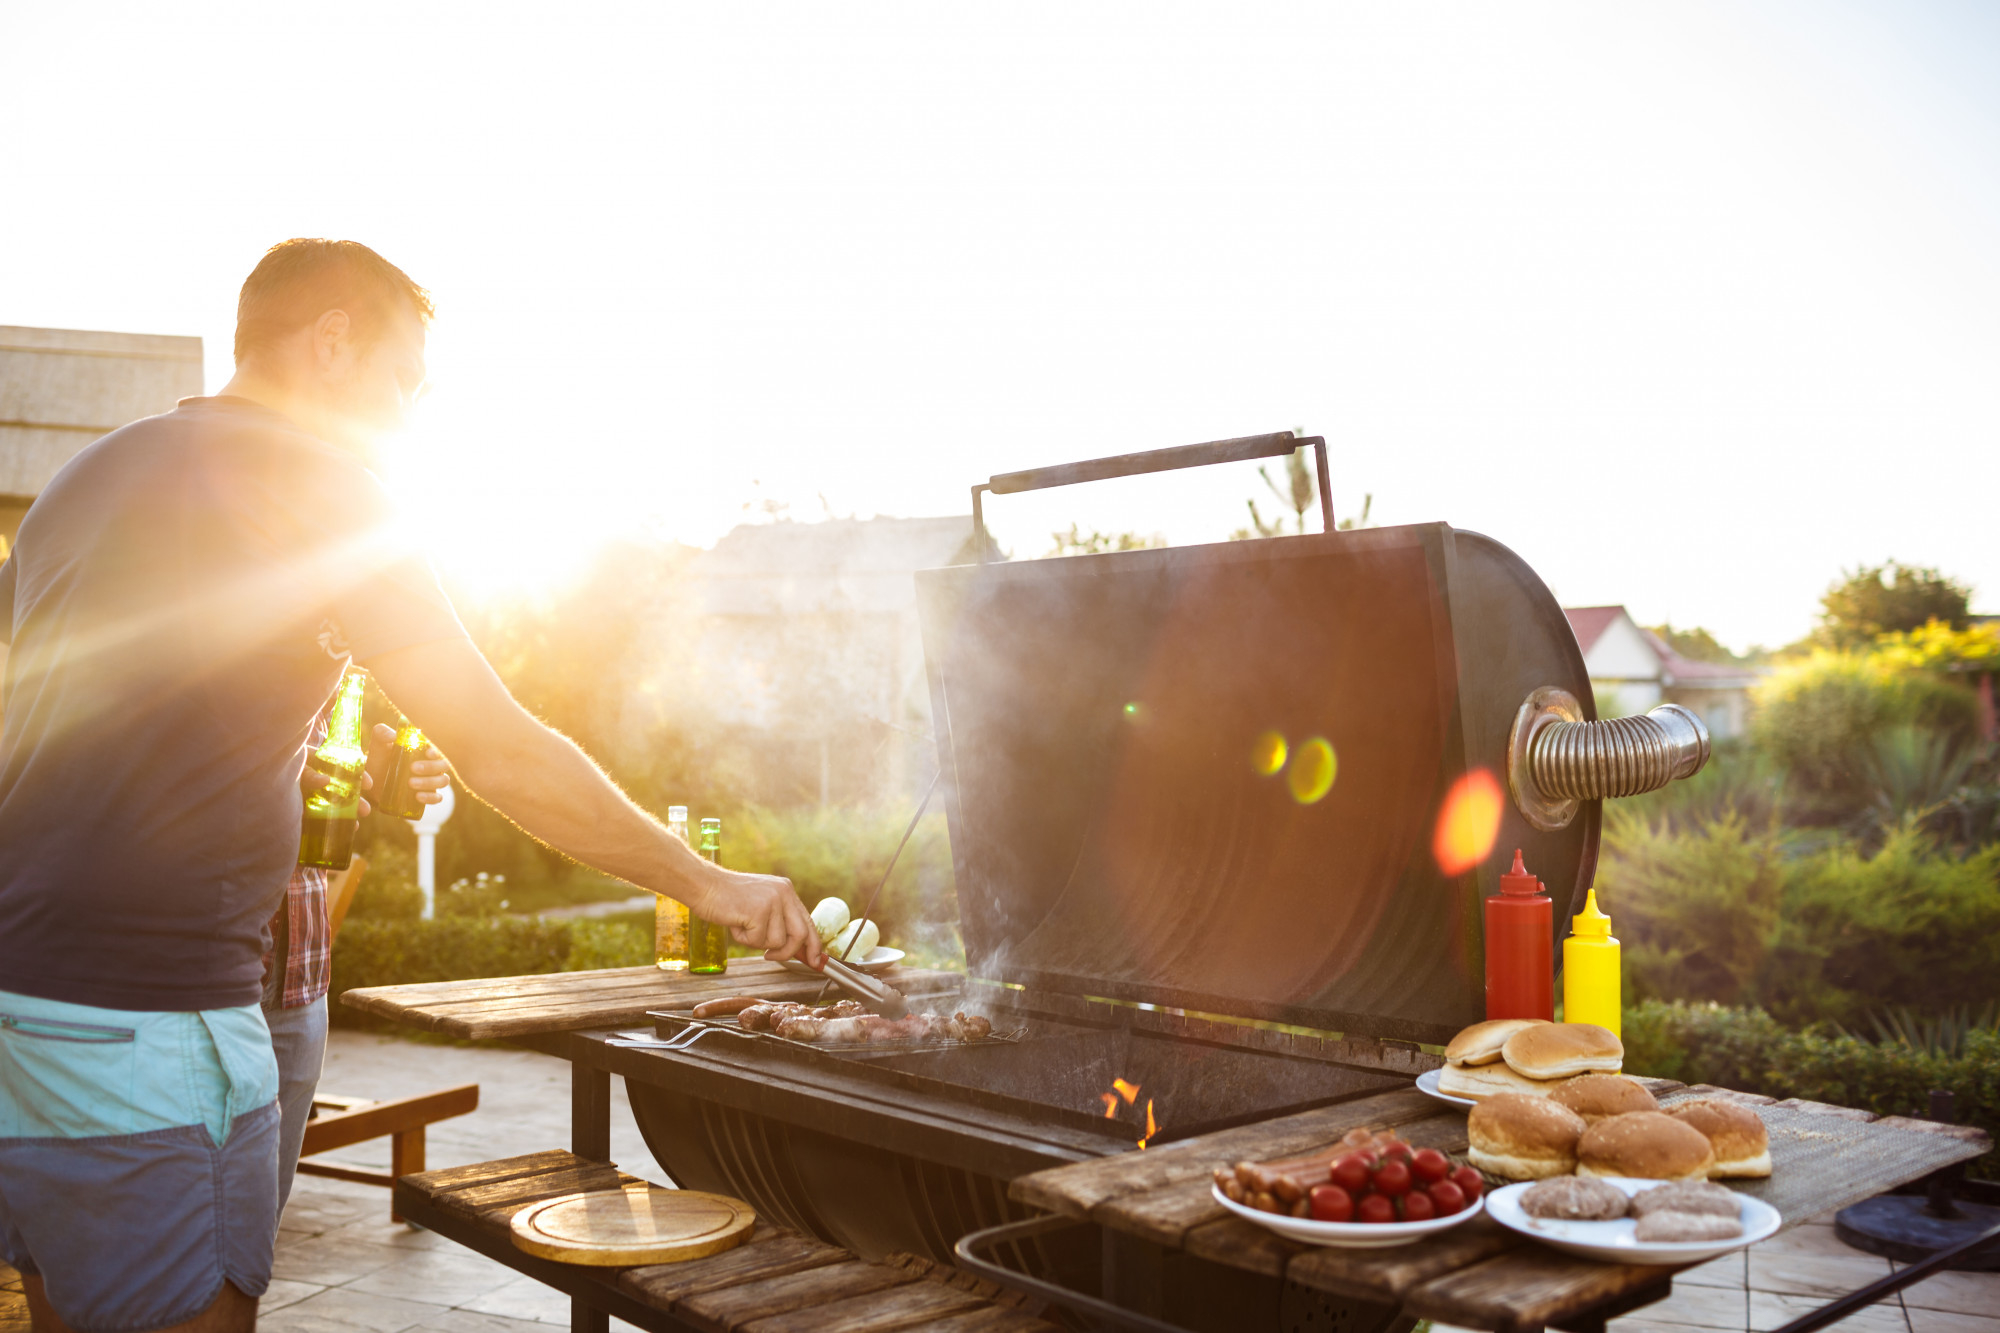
(670, 915)
(708, 941)
(326, 839)
(395, 796)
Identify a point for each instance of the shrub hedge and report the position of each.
(1748, 1050)
(390, 952)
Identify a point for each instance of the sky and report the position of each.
(1694, 305)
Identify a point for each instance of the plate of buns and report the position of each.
(1634, 1220)
(1529, 1056)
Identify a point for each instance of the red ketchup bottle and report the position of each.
(1520, 948)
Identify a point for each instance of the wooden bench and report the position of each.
(339, 1121)
(776, 1282)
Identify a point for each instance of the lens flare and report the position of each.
(1267, 755)
(1468, 823)
(1314, 767)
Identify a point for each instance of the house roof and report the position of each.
(1590, 622)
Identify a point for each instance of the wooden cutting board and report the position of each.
(641, 1224)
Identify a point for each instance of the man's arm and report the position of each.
(543, 782)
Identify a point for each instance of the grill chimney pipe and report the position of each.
(1556, 760)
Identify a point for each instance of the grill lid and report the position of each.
(1216, 777)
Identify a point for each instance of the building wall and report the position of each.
(1624, 670)
(62, 388)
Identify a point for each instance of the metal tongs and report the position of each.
(877, 995)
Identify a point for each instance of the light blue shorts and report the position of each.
(138, 1158)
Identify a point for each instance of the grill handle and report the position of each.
(1237, 450)
(1556, 760)
(968, 1247)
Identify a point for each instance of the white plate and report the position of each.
(1427, 1082)
(1614, 1242)
(883, 958)
(1347, 1235)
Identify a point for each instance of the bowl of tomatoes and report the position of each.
(1369, 1191)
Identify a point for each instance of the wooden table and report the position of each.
(1480, 1274)
(775, 1282)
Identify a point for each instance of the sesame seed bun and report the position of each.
(1480, 1044)
(1644, 1144)
(1523, 1138)
(1560, 1050)
(1737, 1135)
(1478, 1082)
(1596, 1097)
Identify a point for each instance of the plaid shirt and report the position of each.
(306, 928)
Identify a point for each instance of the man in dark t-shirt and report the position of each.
(179, 603)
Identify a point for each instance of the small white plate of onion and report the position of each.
(879, 961)
(859, 941)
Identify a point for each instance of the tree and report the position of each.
(1697, 644)
(1863, 606)
(1075, 542)
(1299, 492)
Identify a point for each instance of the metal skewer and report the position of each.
(922, 804)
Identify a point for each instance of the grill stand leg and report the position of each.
(590, 1137)
(1132, 1272)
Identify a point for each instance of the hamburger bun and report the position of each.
(1741, 1143)
(1598, 1096)
(1480, 1044)
(1560, 1050)
(1524, 1138)
(1644, 1144)
(1478, 1082)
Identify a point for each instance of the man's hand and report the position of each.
(312, 782)
(762, 912)
(429, 776)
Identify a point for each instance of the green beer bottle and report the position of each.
(326, 837)
(708, 942)
(670, 915)
(395, 796)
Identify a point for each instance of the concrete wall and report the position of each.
(62, 388)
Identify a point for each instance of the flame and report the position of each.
(1468, 822)
(1130, 1092)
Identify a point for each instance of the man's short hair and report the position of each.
(299, 280)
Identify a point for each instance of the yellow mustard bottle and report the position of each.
(1591, 970)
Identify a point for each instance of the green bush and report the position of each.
(1748, 1050)
(1910, 925)
(382, 952)
(1820, 718)
(1809, 928)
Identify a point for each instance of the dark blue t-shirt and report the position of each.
(179, 603)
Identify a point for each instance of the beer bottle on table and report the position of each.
(708, 941)
(670, 915)
(326, 837)
(395, 796)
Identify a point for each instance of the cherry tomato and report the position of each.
(1351, 1173)
(1429, 1165)
(1396, 1151)
(1393, 1177)
(1331, 1203)
(1417, 1207)
(1468, 1180)
(1375, 1208)
(1447, 1198)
